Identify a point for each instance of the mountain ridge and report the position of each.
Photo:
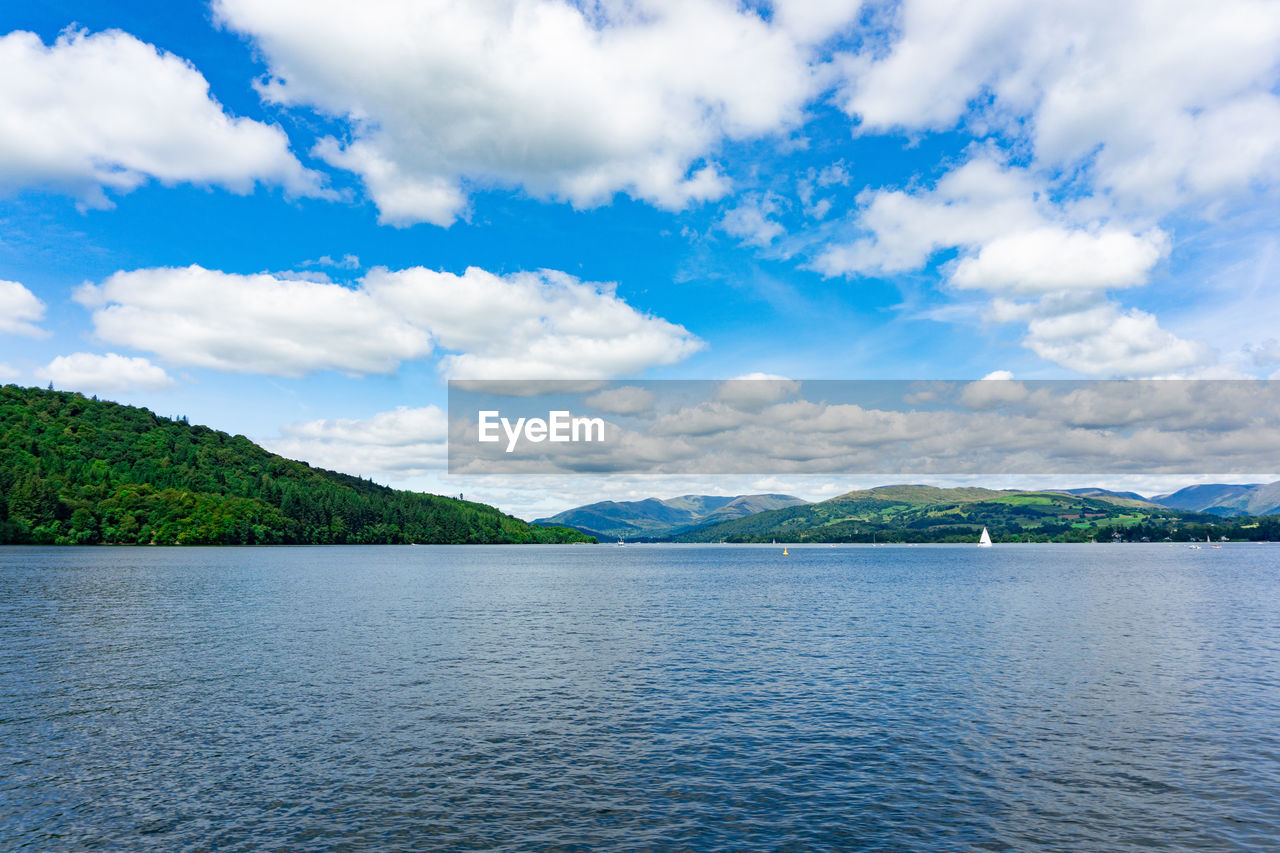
(934, 514)
(1226, 499)
(656, 518)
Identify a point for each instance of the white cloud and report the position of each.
(402, 442)
(969, 206)
(8, 373)
(106, 112)
(1013, 242)
(751, 221)
(811, 21)
(521, 326)
(20, 310)
(1105, 340)
(250, 323)
(1052, 259)
(1163, 100)
(544, 325)
(570, 101)
(84, 371)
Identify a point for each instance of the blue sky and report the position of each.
(296, 222)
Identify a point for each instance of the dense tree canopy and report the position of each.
(75, 470)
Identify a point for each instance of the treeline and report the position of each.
(76, 470)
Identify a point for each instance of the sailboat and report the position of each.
(984, 541)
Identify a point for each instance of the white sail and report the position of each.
(984, 541)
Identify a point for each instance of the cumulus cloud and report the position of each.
(84, 371)
(8, 373)
(99, 112)
(20, 310)
(250, 323)
(1161, 101)
(1013, 239)
(402, 442)
(565, 100)
(1054, 259)
(1119, 117)
(751, 221)
(969, 206)
(1013, 243)
(520, 326)
(1106, 340)
(530, 325)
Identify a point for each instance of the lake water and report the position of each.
(1094, 697)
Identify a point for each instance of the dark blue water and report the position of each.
(1105, 697)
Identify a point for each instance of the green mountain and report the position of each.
(654, 518)
(75, 470)
(931, 514)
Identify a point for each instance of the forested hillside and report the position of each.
(930, 514)
(75, 470)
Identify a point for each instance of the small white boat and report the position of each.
(984, 541)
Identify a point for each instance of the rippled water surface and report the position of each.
(1101, 697)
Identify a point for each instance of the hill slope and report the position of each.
(654, 518)
(79, 471)
(930, 514)
(1226, 500)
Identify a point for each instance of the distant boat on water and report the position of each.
(984, 541)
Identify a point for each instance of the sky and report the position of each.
(297, 220)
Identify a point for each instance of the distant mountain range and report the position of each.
(1226, 500)
(915, 513)
(654, 518)
(911, 513)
